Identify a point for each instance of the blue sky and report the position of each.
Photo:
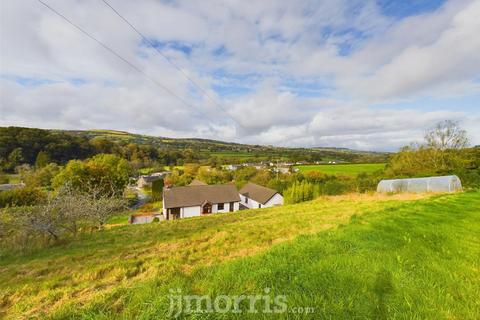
(359, 74)
(405, 8)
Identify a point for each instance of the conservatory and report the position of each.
(428, 184)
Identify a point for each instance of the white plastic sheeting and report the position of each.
(429, 184)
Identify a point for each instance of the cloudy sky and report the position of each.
(346, 73)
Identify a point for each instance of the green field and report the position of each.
(232, 154)
(347, 257)
(343, 169)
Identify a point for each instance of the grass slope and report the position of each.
(343, 169)
(362, 257)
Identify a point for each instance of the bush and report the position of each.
(469, 178)
(21, 197)
(334, 187)
(3, 179)
(365, 182)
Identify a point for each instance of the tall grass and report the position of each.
(348, 257)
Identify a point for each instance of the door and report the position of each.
(207, 208)
(231, 206)
(173, 214)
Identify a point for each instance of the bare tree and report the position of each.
(45, 219)
(446, 135)
(61, 214)
(100, 206)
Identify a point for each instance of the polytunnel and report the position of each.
(428, 184)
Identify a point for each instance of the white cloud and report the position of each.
(277, 68)
(450, 58)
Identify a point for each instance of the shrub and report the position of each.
(3, 179)
(157, 190)
(334, 187)
(21, 197)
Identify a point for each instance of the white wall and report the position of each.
(188, 212)
(142, 219)
(276, 200)
(252, 204)
(145, 219)
(226, 207)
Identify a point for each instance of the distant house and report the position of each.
(147, 180)
(254, 196)
(197, 200)
(281, 169)
(231, 167)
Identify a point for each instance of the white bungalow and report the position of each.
(199, 199)
(253, 196)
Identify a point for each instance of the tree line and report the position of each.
(37, 147)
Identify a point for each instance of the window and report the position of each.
(259, 205)
(246, 200)
(220, 206)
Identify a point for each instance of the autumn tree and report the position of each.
(105, 172)
(443, 151)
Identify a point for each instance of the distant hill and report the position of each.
(63, 145)
(216, 146)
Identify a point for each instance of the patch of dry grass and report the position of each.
(379, 196)
(79, 272)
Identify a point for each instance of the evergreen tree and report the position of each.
(42, 160)
(157, 189)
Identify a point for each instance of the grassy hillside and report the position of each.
(229, 150)
(350, 256)
(64, 145)
(343, 169)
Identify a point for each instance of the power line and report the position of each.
(106, 47)
(167, 58)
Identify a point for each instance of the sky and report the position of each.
(361, 74)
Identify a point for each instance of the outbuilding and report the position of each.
(417, 185)
(253, 196)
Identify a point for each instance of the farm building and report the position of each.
(253, 196)
(199, 199)
(146, 180)
(429, 184)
